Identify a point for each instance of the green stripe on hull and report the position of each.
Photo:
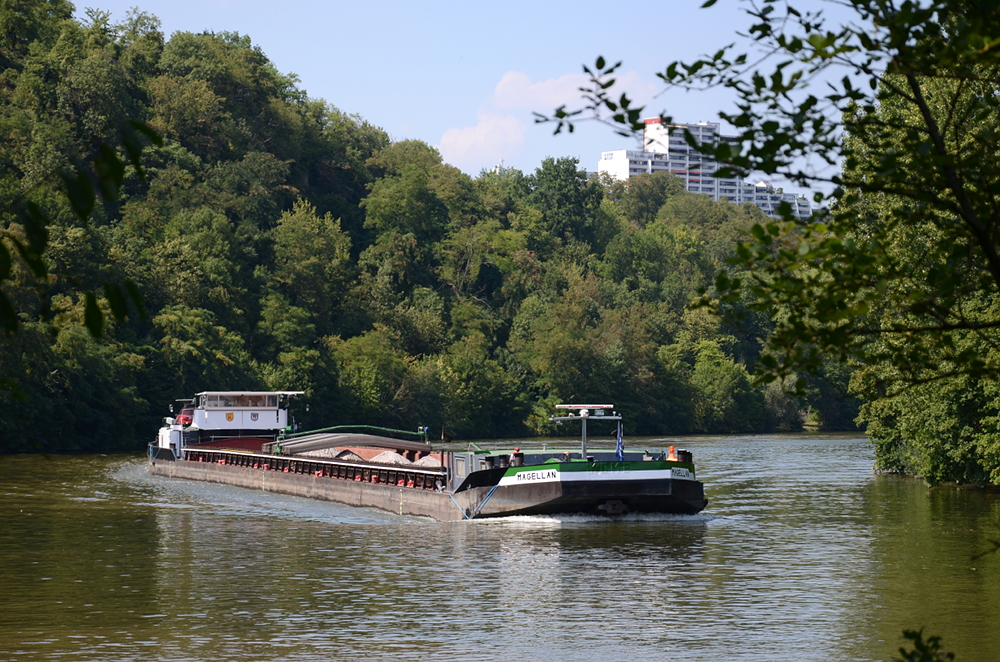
(598, 472)
(603, 466)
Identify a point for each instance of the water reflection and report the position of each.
(76, 571)
(802, 554)
(923, 571)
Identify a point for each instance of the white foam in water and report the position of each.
(558, 520)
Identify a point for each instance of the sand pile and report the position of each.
(390, 457)
(427, 461)
(334, 454)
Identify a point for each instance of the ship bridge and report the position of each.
(242, 410)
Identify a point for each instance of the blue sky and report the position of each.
(465, 77)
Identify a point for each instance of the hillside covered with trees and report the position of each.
(280, 243)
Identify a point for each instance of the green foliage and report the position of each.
(312, 264)
(943, 430)
(644, 196)
(269, 240)
(71, 393)
(924, 650)
(830, 405)
(406, 199)
(24, 23)
(567, 201)
(200, 352)
(372, 372)
(926, 327)
(725, 401)
(481, 399)
(899, 275)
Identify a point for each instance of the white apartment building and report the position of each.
(664, 149)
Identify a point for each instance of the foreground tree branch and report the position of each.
(898, 273)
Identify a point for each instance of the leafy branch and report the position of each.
(907, 121)
(924, 650)
(82, 183)
(624, 118)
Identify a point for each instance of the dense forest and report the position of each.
(280, 243)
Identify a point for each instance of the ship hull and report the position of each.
(682, 497)
(391, 498)
(586, 493)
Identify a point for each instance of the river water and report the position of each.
(802, 554)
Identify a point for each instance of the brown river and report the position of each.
(802, 554)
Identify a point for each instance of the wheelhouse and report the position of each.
(242, 410)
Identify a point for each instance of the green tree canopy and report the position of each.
(275, 241)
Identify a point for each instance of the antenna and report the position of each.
(583, 415)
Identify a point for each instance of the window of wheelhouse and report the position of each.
(242, 400)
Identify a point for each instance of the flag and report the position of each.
(620, 447)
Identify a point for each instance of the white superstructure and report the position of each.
(242, 410)
(665, 150)
(227, 414)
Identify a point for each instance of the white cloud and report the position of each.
(502, 129)
(516, 90)
(496, 136)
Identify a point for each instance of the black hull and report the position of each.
(667, 496)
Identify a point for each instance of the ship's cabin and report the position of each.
(242, 410)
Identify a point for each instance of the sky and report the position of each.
(466, 77)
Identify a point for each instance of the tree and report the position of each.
(333, 171)
(936, 154)
(725, 399)
(311, 263)
(568, 202)
(23, 23)
(64, 119)
(372, 374)
(413, 195)
(199, 352)
(644, 195)
(240, 88)
(479, 396)
(900, 274)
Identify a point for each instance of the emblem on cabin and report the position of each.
(229, 416)
(254, 416)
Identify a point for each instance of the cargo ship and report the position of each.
(244, 439)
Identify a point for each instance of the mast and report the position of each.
(583, 415)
